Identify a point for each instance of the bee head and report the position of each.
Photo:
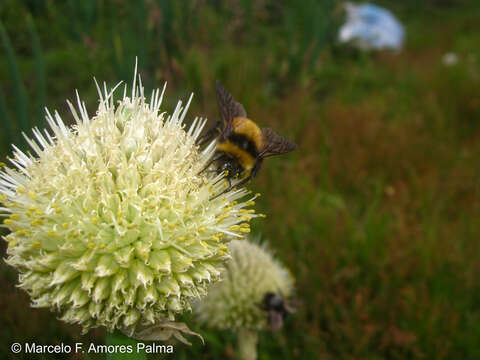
(230, 167)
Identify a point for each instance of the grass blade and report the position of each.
(19, 93)
(5, 124)
(40, 72)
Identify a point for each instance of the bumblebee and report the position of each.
(241, 145)
(278, 308)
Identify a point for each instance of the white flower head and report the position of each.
(235, 303)
(112, 222)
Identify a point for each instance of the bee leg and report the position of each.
(211, 132)
(240, 183)
(216, 196)
(243, 181)
(228, 188)
(256, 167)
(228, 179)
(218, 157)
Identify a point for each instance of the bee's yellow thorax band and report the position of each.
(244, 158)
(248, 128)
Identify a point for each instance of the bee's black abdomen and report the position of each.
(244, 143)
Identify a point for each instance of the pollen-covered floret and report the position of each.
(112, 222)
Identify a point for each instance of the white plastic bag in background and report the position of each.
(369, 26)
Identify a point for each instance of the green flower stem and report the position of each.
(247, 341)
(117, 338)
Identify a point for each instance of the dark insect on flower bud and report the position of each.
(278, 308)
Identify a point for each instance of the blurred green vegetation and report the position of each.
(376, 213)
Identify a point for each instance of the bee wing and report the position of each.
(275, 144)
(229, 107)
(275, 320)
